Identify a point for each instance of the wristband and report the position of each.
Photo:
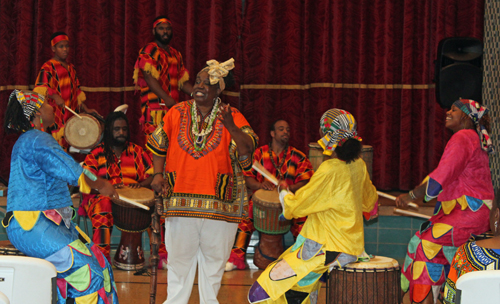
(154, 174)
(412, 195)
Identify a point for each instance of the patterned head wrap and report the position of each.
(475, 112)
(58, 39)
(217, 71)
(161, 20)
(337, 126)
(30, 102)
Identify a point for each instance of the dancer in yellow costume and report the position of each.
(334, 200)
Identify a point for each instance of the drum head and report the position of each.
(140, 195)
(82, 133)
(377, 262)
(267, 197)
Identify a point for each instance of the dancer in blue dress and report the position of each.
(39, 206)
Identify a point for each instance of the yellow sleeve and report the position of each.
(314, 196)
(370, 196)
(84, 187)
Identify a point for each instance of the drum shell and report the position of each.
(269, 246)
(378, 285)
(316, 156)
(266, 215)
(131, 219)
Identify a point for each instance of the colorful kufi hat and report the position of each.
(475, 111)
(337, 126)
(58, 39)
(161, 20)
(217, 71)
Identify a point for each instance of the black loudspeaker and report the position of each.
(459, 72)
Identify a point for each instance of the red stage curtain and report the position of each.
(105, 39)
(373, 58)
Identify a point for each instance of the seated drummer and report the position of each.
(287, 164)
(334, 201)
(122, 163)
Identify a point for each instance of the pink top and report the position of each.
(464, 168)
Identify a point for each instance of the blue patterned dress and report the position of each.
(38, 221)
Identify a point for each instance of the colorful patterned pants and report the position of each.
(432, 249)
(244, 233)
(83, 274)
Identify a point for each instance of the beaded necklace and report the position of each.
(282, 161)
(201, 136)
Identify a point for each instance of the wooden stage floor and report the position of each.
(235, 285)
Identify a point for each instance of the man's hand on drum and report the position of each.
(267, 185)
(134, 185)
(108, 189)
(158, 184)
(403, 200)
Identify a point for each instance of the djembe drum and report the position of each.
(376, 281)
(83, 133)
(266, 212)
(316, 156)
(131, 221)
(6, 248)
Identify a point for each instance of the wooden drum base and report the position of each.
(270, 245)
(129, 255)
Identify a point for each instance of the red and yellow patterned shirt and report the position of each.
(296, 167)
(130, 168)
(54, 78)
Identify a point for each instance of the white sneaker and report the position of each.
(230, 266)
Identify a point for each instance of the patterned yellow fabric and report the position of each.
(448, 206)
(418, 268)
(430, 249)
(440, 229)
(334, 201)
(288, 271)
(88, 299)
(84, 187)
(27, 219)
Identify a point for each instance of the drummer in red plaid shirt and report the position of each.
(122, 163)
(287, 164)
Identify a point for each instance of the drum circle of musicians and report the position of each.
(203, 170)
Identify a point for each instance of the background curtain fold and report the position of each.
(294, 60)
